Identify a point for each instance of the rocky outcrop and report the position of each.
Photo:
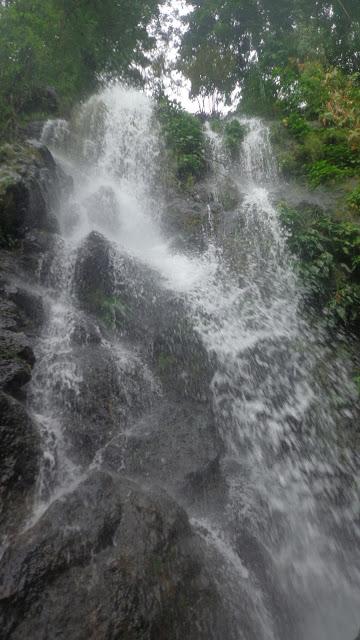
(129, 298)
(128, 384)
(21, 317)
(108, 561)
(177, 446)
(19, 459)
(29, 185)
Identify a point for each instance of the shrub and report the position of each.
(234, 134)
(184, 138)
(353, 199)
(322, 172)
(297, 125)
(329, 266)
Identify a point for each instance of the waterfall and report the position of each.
(282, 541)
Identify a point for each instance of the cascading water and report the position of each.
(282, 545)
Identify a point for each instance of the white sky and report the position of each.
(177, 86)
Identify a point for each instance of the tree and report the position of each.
(69, 45)
(232, 42)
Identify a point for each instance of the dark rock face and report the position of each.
(174, 444)
(128, 386)
(109, 392)
(94, 281)
(42, 99)
(29, 189)
(22, 314)
(19, 455)
(19, 441)
(30, 186)
(129, 298)
(34, 129)
(108, 561)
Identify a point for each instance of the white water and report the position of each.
(277, 386)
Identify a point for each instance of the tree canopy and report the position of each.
(232, 43)
(68, 45)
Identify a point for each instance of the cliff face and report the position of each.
(30, 185)
(110, 558)
(170, 418)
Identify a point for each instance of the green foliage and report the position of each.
(353, 200)
(323, 172)
(218, 48)
(297, 125)
(329, 253)
(234, 134)
(69, 45)
(184, 138)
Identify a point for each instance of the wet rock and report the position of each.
(176, 446)
(19, 455)
(31, 307)
(108, 561)
(95, 390)
(85, 332)
(22, 316)
(16, 361)
(181, 359)
(130, 299)
(94, 281)
(188, 220)
(34, 129)
(23, 309)
(42, 99)
(29, 190)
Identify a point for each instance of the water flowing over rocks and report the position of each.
(30, 188)
(107, 561)
(170, 460)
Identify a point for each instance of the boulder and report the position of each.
(22, 309)
(94, 280)
(111, 389)
(34, 129)
(130, 299)
(19, 456)
(174, 445)
(41, 99)
(29, 191)
(108, 561)
(16, 361)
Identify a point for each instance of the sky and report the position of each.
(176, 85)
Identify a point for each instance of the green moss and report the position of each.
(110, 309)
